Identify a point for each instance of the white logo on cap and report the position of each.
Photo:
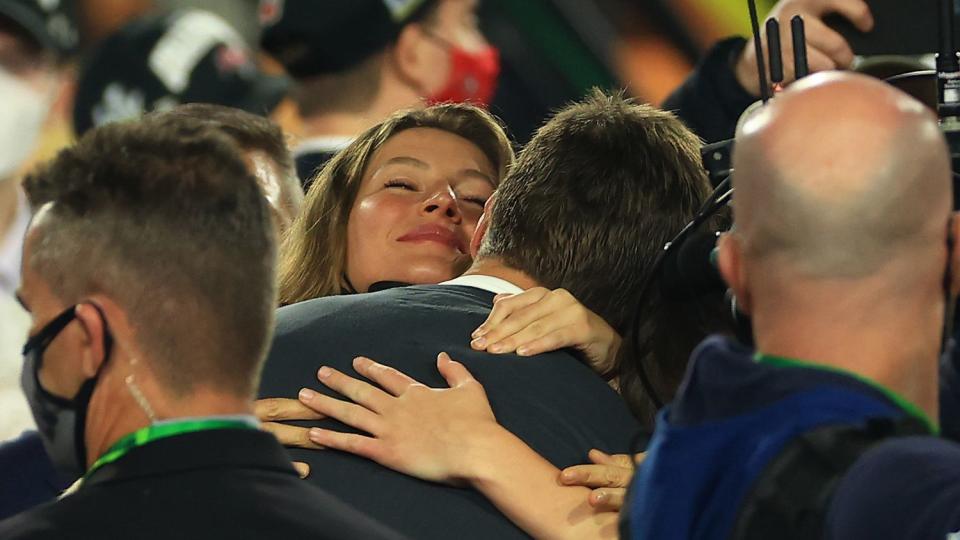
(118, 104)
(194, 34)
(401, 9)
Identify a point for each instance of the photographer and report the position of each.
(839, 255)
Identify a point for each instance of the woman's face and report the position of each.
(418, 205)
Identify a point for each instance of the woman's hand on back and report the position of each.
(539, 320)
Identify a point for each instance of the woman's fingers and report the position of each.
(351, 414)
(493, 329)
(281, 409)
(290, 436)
(387, 377)
(607, 499)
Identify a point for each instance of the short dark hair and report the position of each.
(589, 205)
(168, 221)
(593, 198)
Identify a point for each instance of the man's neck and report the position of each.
(392, 98)
(489, 266)
(885, 343)
(107, 423)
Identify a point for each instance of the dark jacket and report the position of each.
(225, 483)
(28, 476)
(554, 402)
(711, 100)
(734, 416)
(309, 164)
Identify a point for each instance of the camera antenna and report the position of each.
(776, 54)
(799, 33)
(758, 48)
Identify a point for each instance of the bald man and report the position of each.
(839, 253)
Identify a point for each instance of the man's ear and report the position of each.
(955, 254)
(410, 57)
(94, 330)
(730, 262)
(483, 224)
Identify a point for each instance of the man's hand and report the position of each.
(272, 411)
(826, 49)
(540, 320)
(428, 433)
(609, 476)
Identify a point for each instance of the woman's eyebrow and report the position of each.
(406, 160)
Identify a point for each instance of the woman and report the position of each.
(399, 204)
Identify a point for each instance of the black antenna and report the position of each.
(758, 47)
(775, 52)
(798, 30)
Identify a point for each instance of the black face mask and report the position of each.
(61, 422)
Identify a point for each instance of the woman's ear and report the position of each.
(411, 59)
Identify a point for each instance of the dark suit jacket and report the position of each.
(553, 402)
(226, 483)
(28, 476)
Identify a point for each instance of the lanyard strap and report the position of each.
(152, 433)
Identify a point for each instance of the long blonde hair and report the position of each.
(313, 251)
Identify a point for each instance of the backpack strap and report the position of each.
(791, 497)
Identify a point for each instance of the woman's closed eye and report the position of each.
(400, 184)
(479, 201)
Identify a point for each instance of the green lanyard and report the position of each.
(161, 431)
(899, 400)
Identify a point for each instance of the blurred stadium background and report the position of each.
(552, 50)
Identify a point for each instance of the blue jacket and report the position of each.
(732, 416)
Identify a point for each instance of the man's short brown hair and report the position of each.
(593, 198)
(168, 222)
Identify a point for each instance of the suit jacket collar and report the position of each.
(218, 448)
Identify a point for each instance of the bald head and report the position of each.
(839, 175)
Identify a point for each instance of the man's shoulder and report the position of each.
(427, 300)
(906, 487)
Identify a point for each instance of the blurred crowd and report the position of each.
(280, 268)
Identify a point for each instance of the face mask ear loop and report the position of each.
(82, 401)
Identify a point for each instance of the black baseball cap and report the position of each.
(311, 37)
(163, 60)
(51, 23)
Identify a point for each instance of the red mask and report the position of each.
(473, 76)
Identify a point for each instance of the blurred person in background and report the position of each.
(36, 38)
(355, 62)
(845, 257)
(265, 150)
(149, 274)
(162, 60)
(726, 81)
